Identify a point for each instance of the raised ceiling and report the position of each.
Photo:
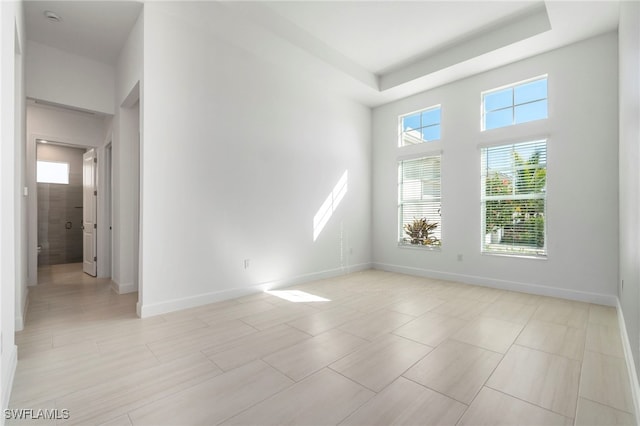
(373, 51)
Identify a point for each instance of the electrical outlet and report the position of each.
(246, 263)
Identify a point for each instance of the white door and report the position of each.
(89, 202)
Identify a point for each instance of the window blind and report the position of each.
(419, 197)
(514, 198)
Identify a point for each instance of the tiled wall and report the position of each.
(60, 209)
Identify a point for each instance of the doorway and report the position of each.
(63, 207)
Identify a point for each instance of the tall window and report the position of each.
(419, 201)
(421, 126)
(515, 104)
(52, 172)
(514, 180)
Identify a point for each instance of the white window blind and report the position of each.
(418, 199)
(514, 198)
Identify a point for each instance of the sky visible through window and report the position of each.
(517, 104)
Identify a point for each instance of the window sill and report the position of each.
(516, 255)
(419, 247)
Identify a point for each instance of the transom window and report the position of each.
(514, 182)
(419, 127)
(515, 104)
(419, 201)
(52, 172)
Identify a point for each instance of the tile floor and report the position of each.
(384, 349)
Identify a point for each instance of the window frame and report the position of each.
(513, 250)
(513, 105)
(402, 239)
(420, 112)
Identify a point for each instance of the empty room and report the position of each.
(320, 212)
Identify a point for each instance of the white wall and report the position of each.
(68, 127)
(238, 156)
(63, 78)
(126, 164)
(629, 157)
(11, 115)
(582, 205)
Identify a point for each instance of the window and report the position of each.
(421, 126)
(515, 104)
(50, 172)
(514, 179)
(419, 201)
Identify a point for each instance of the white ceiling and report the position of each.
(95, 29)
(373, 51)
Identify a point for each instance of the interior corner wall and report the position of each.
(63, 78)
(582, 181)
(629, 155)
(239, 156)
(124, 164)
(11, 105)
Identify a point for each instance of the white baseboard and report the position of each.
(148, 310)
(8, 376)
(123, 288)
(631, 365)
(581, 296)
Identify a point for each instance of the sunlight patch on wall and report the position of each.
(330, 205)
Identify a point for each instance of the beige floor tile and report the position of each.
(563, 312)
(53, 380)
(253, 346)
(307, 357)
(278, 315)
(417, 305)
(605, 380)
(233, 312)
(493, 408)
(517, 297)
(101, 402)
(591, 413)
(553, 338)
(430, 328)
(489, 333)
(369, 302)
(465, 309)
(160, 332)
(118, 421)
(214, 400)
(324, 398)
(375, 324)
(407, 403)
(549, 381)
(325, 320)
(456, 369)
(381, 362)
(510, 311)
(603, 315)
(199, 339)
(604, 339)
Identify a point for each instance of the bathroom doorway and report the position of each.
(59, 177)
